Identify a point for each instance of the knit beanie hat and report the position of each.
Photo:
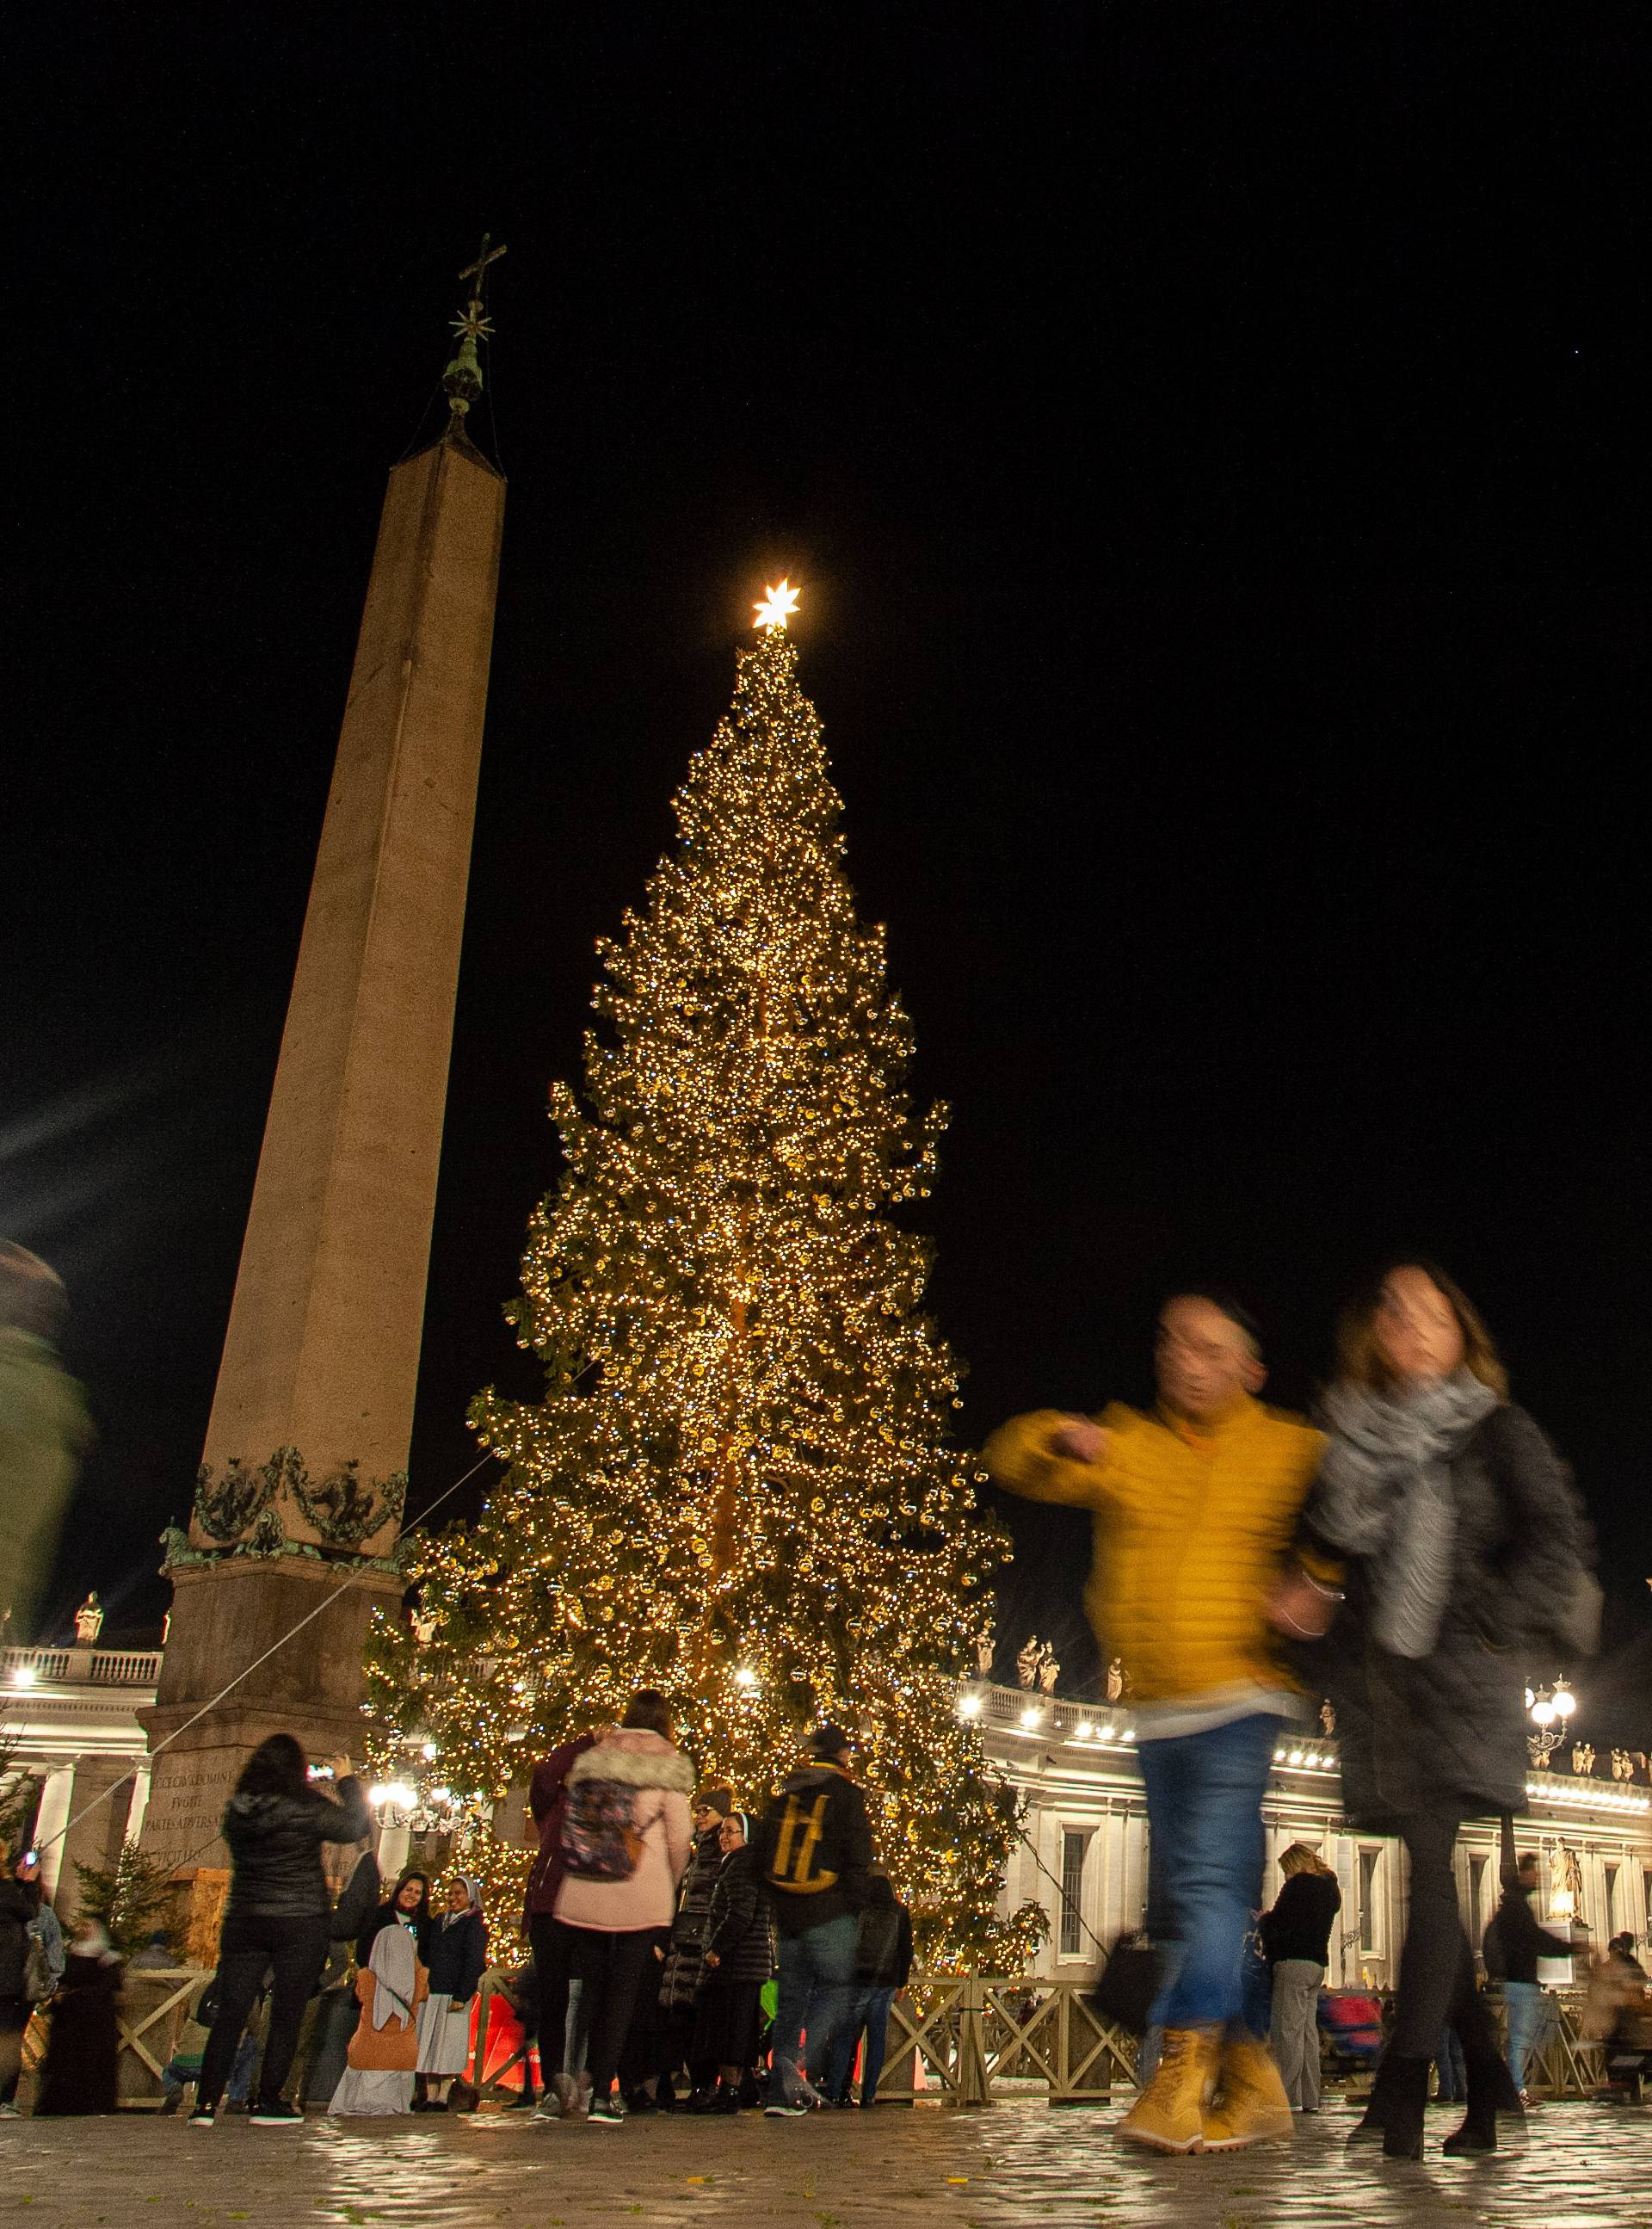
(715, 1798)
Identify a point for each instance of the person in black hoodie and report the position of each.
(276, 1916)
(1514, 1942)
(814, 1852)
(882, 1966)
(738, 1958)
(1296, 1943)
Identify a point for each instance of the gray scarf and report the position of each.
(1384, 1495)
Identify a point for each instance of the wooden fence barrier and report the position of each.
(966, 2031)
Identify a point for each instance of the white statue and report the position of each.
(1049, 1669)
(1027, 1662)
(984, 1653)
(88, 1621)
(1327, 1718)
(1582, 1757)
(1115, 1678)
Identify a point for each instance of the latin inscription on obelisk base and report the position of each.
(300, 1498)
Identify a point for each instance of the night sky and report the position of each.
(1211, 443)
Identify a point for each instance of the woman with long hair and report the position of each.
(626, 1836)
(407, 1905)
(1465, 1551)
(1296, 1939)
(276, 1920)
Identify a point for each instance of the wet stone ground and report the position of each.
(1586, 2166)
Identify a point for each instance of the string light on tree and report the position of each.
(739, 1485)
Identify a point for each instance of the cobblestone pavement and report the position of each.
(1587, 2166)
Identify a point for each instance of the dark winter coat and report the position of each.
(275, 1849)
(548, 1799)
(1299, 1926)
(1516, 1938)
(739, 1925)
(16, 1910)
(814, 1848)
(680, 1982)
(83, 2046)
(883, 1954)
(1448, 1730)
(459, 1955)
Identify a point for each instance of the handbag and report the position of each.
(1128, 1983)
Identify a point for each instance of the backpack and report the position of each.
(39, 1982)
(599, 1838)
(797, 1837)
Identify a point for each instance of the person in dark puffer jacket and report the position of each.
(739, 1957)
(1467, 1555)
(278, 1914)
(684, 1968)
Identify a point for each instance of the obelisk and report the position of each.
(298, 1501)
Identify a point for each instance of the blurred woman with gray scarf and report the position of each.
(1466, 1556)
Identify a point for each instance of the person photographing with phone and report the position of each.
(276, 1921)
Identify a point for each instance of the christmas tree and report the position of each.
(738, 1487)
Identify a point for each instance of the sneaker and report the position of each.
(607, 2112)
(203, 2118)
(549, 2107)
(726, 2101)
(523, 2101)
(786, 2109)
(277, 2115)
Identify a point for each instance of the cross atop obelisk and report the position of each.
(304, 1470)
(463, 377)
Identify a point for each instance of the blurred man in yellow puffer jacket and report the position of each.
(1196, 1510)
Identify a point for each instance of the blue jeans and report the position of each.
(869, 2009)
(1529, 2015)
(816, 1988)
(1204, 1813)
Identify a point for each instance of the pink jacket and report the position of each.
(663, 1779)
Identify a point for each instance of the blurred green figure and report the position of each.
(44, 1429)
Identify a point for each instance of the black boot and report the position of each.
(1491, 2091)
(1369, 2130)
(1402, 2126)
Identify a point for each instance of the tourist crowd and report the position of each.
(1406, 1554)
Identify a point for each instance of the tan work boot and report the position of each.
(1253, 2107)
(1170, 2113)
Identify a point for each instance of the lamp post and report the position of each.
(1550, 1709)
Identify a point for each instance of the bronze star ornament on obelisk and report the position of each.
(300, 1497)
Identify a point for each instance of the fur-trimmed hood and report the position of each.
(635, 1758)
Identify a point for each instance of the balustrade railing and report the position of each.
(104, 1668)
